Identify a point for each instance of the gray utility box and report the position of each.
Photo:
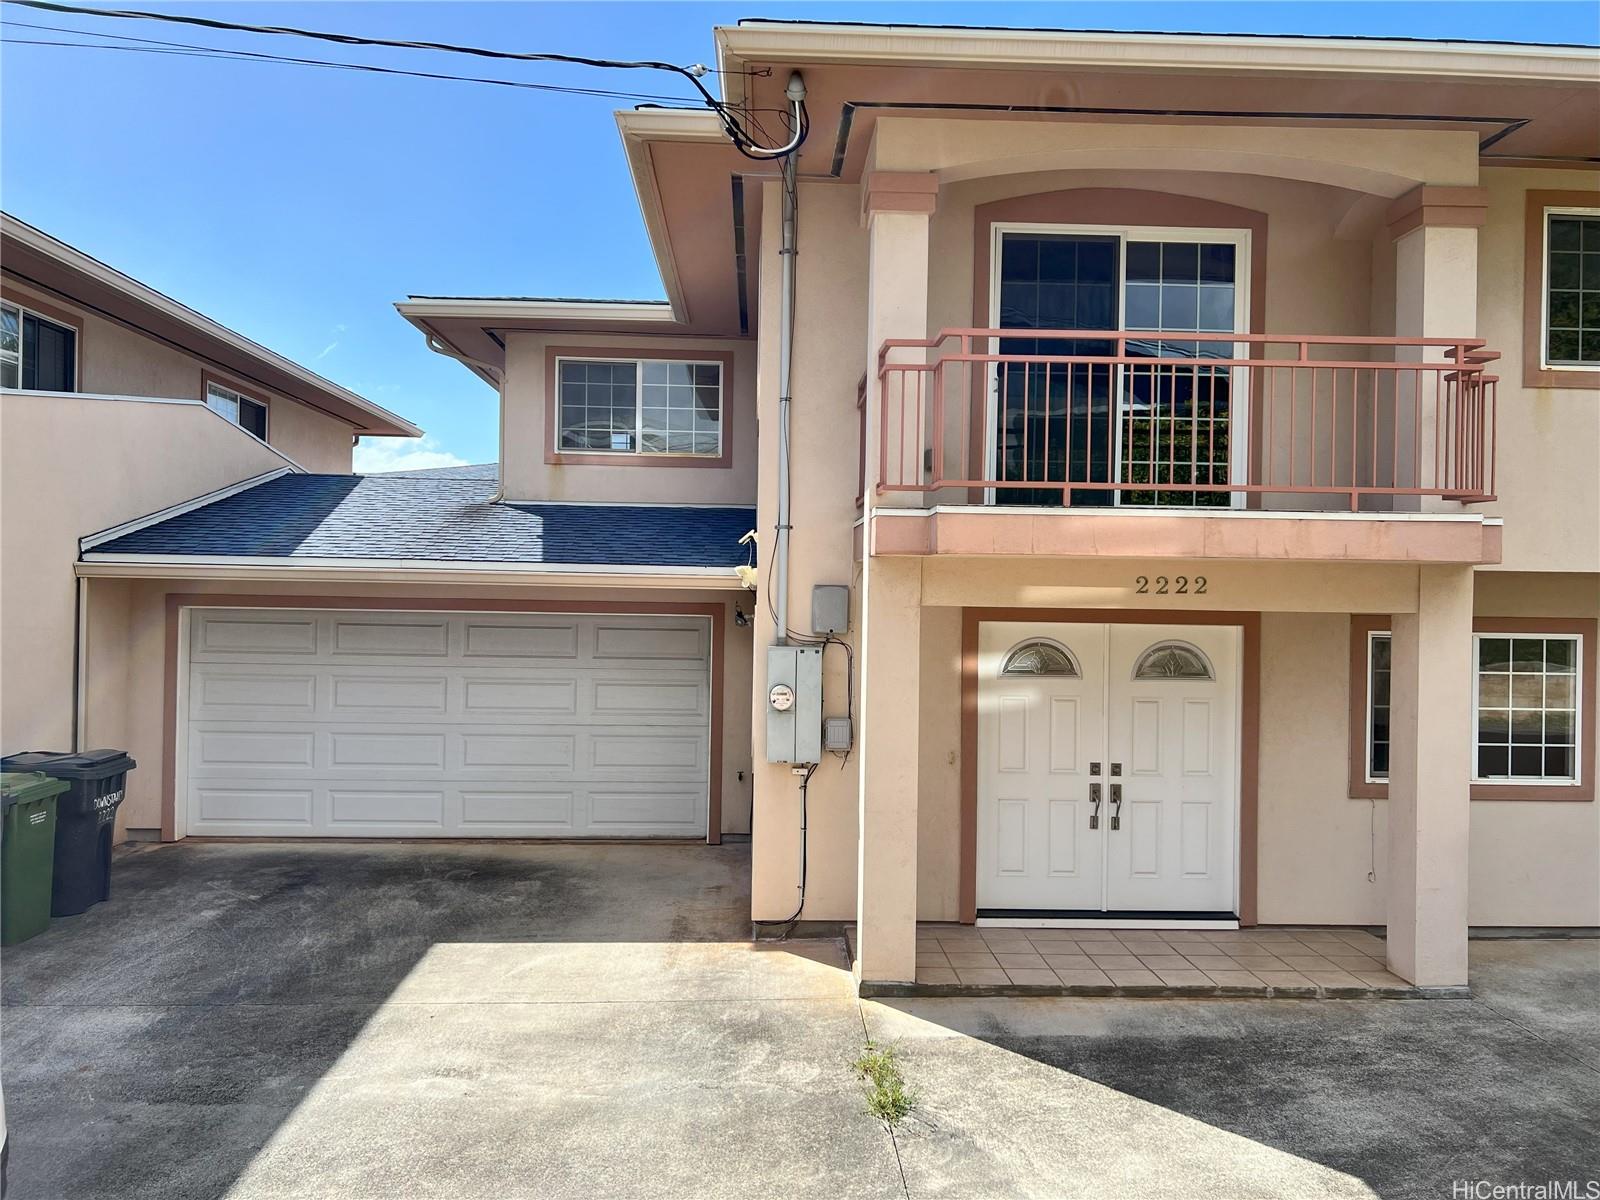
(794, 704)
(830, 608)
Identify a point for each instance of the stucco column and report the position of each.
(1435, 231)
(895, 207)
(886, 862)
(1430, 769)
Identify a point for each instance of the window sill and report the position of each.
(1554, 792)
(609, 458)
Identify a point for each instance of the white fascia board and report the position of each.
(43, 243)
(291, 565)
(488, 308)
(90, 541)
(998, 48)
(149, 566)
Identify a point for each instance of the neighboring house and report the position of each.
(1251, 574)
(118, 401)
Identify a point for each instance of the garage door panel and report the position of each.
(231, 637)
(494, 639)
(224, 697)
(648, 643)
(386, 751)
(439, 725)
(550, 751)
(623, 810)
(519, 812)
(260, 807)
(408, 639)
(388, 694)
(652, 753)
(253, 748)
(497, 696)
(349, 808)
(686, 697)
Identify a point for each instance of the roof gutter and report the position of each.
(414, 571)
(800, 44)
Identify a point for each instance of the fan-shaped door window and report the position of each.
(1173, 660)
(1039, 657)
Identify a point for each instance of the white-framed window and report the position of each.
(36, 353)
(639, 406)
(250, 415)
(1570, 331)
(1142, 426)
(1527, 709)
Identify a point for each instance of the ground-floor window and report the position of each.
(1527, 712)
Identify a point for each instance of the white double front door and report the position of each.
(1107, 769)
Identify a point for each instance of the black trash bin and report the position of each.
(86, 817)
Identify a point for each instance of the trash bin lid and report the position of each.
(19, 787)
(88, 764)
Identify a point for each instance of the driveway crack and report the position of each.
(894, 1142)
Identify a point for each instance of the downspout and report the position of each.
(780, 541)
(499, 377)
(796, 94)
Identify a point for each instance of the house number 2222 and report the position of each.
(1177, 585)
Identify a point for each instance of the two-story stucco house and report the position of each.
(1205, 430)
(115, 402)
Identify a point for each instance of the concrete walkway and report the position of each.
(550, 1021)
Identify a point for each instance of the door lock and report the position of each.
(1116, 804)
(1116, 768)
(1094, 809)
(1094, 768)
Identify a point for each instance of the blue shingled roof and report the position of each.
(441, 519)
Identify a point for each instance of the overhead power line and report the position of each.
(191, 50)
(693, 73)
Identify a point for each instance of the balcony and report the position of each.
(1207, 425)
(1091, 419)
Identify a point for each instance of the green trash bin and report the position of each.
(27, 852)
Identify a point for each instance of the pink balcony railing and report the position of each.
(1029, 416)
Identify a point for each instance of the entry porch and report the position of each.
(1298, 962)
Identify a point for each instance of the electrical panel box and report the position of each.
(794, 704)
(837, 735)
(830, 608)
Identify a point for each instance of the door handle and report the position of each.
(1116, 806)
(1094, 810)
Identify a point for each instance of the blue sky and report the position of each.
(297, 204)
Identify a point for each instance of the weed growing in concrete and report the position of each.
(888, 1098)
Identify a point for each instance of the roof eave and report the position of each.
(801, 43)
(366, 417)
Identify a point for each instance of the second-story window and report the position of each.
(640, 406)
(250, 415)
(36, 353)
(1572, 288)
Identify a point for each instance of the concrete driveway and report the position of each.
(376, 1021)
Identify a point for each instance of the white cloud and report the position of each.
(373, 455)
(326, 350)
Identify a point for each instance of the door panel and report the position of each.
(1167, 740)
(1037, 735)
(1176, 738)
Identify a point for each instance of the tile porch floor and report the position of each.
(1277, 961)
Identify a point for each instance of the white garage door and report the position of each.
(404, 724)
